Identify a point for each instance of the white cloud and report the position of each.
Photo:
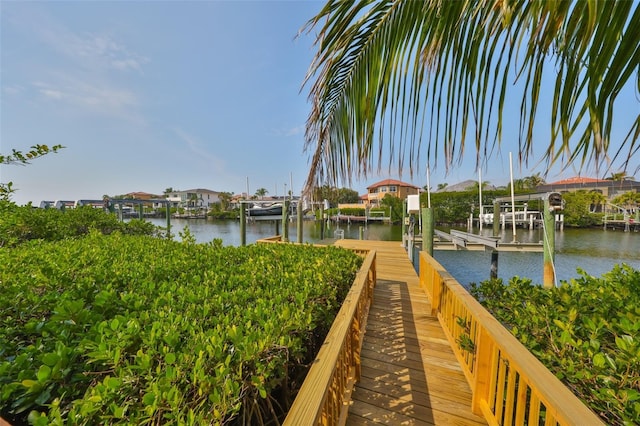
(13, 90)
(97, 98)
(295, 131)
(88, 50)
(196, 148)
(291, 131)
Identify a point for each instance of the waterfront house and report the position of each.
(606, 187)
(395, 188)
(198, 198)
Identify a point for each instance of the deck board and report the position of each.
(410, 375)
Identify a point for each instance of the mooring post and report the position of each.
(285, 221)
(494, 264)
(427, 230)
(404, 224)
(243, 225)
(140, 211)
(168, 213)
(549, 245)
(362, 232)
(299, 228)
(496, 219)
(322, 221)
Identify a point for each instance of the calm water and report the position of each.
(594, 250)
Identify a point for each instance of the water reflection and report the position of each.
(594, 250)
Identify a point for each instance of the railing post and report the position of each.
(437, 283)
(482, 371)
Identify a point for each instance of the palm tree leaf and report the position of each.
(407, 76)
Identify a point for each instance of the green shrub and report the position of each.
(24, 223)
(131, 330)
(587, 332)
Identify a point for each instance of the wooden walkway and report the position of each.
(410, 375)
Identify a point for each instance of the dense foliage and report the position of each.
(581, 207)
(586, 331)
(138, 330)
(455, 207)
(23, 223)
(335, 195)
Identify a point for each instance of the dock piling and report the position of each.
(243, 225)
(427, 230)
(299, 223)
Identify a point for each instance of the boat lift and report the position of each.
(552, 203)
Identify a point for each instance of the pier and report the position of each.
(410, 374)
(395, 355)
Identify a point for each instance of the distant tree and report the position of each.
(225, 200)
(261, 192)
(394, 204)
(629, 198)
(519, 185)
(348, 196)
(23, 158)
(440, 186)
(193, 200)
(475, 187)
(336, 195)
(533, 181)
(617, 177)
(580, 206)
(168, 190)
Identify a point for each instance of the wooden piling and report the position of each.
(243, 225)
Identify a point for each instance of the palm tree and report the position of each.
(409, 76)
(533, 181)
(261, 192)
(617, 177)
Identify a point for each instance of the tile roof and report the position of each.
(578, 180)
(387, 182)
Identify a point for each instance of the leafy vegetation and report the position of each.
(580, 208)
(22, 158)
(585, 331)
(138, 330)
(336, 195)
(455, 207)
(24, 223)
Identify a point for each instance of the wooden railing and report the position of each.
(510, 386)
(323, 397)
(274, 239)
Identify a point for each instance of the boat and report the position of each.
(265, 210)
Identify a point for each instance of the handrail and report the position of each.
(509, 384)
(325, 392)
(274, 239)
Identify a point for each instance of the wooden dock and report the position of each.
(410, 375)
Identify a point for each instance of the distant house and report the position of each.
(194, 198)
(608, 188)
(395, 188)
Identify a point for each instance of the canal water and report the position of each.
(593, 250)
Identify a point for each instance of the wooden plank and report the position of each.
(409, 372)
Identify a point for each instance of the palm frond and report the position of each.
(397, 78)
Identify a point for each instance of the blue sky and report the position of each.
(147, 95)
